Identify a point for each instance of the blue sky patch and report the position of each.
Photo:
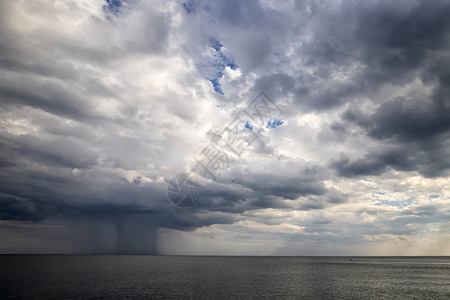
(113, 6)
(433, 196)
(216, 62)
(248, 125)
(216, 85)
(274, 123)
(116, 6)
(189, 6)
(216, 44)
(400, 204)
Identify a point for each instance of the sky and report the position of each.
(103, 103)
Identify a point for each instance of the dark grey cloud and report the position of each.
(405, 120)
(431, 160)
(13, 209)
(66, 152)
(381, 42)
(394, 44)
(416, 128)
(35, 194)
(50, 95)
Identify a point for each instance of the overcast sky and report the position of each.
(104, 102)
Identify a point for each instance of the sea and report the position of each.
(222, 277)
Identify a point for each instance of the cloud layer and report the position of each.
(103, 102)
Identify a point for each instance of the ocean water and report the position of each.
(210, 277)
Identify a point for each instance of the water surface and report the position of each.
(212, 277)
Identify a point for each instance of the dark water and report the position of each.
(202, 277)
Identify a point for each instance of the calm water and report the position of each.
(200, 277)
